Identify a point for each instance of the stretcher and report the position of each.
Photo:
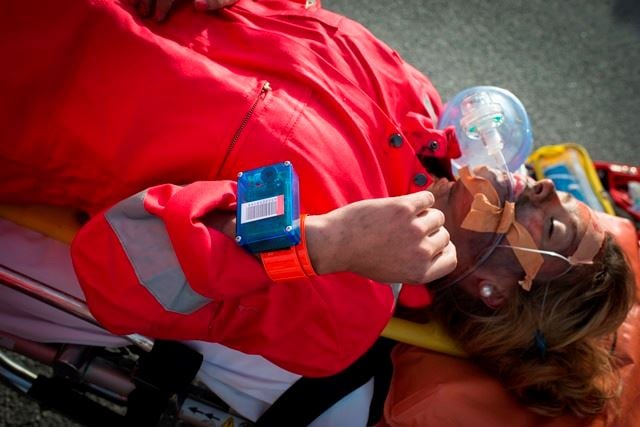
(91, 360)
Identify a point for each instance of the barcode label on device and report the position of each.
(262, 209)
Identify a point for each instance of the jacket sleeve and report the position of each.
(149, 261)
(150, 265)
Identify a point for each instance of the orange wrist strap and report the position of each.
(290, 263)
(302, 251)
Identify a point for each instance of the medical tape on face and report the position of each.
(591, 242)
(586, 251)
(486, 216)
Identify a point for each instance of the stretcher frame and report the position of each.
(80, 371)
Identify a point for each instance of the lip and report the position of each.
(520, 183)
(499, 181)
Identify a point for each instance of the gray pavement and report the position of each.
(575, 64)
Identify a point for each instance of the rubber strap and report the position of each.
(290, 263)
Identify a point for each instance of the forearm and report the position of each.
(397, 239)
(154, 244)
(321, 238)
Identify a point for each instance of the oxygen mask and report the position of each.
(495, 138)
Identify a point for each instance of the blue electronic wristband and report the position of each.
(268, 211)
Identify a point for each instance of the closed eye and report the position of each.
(551, 227)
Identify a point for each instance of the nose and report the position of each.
(543, 190)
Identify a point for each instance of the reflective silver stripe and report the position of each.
(146, 242)
(432, 112)
(395, 288)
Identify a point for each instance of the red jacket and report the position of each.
(99, 105)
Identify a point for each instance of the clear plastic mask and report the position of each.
(492, 128)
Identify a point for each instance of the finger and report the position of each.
(421, 200)
(162, 9)
(431, 219)
(436, 241)
(444, 263)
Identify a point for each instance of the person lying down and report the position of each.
(145, 127)
(225, 371)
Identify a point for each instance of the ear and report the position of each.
(502, 285)
(490, 293)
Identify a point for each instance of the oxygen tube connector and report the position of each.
(492, 127)
(481, 120)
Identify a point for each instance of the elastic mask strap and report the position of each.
(540, 253)
(537, 251)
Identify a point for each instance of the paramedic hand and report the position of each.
(394, 239)
(159, 9)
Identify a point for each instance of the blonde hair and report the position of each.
(573, 369)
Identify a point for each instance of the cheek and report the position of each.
(459, 237)
(469, 288)
(533, 221)
(470, 245)
(458, 208)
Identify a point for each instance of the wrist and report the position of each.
(290, 263)
(324, 244)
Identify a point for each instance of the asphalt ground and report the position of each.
(575, 65)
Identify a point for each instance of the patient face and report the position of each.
(556, 221)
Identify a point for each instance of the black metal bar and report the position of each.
(54, 297)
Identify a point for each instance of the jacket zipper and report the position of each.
(266, 87)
